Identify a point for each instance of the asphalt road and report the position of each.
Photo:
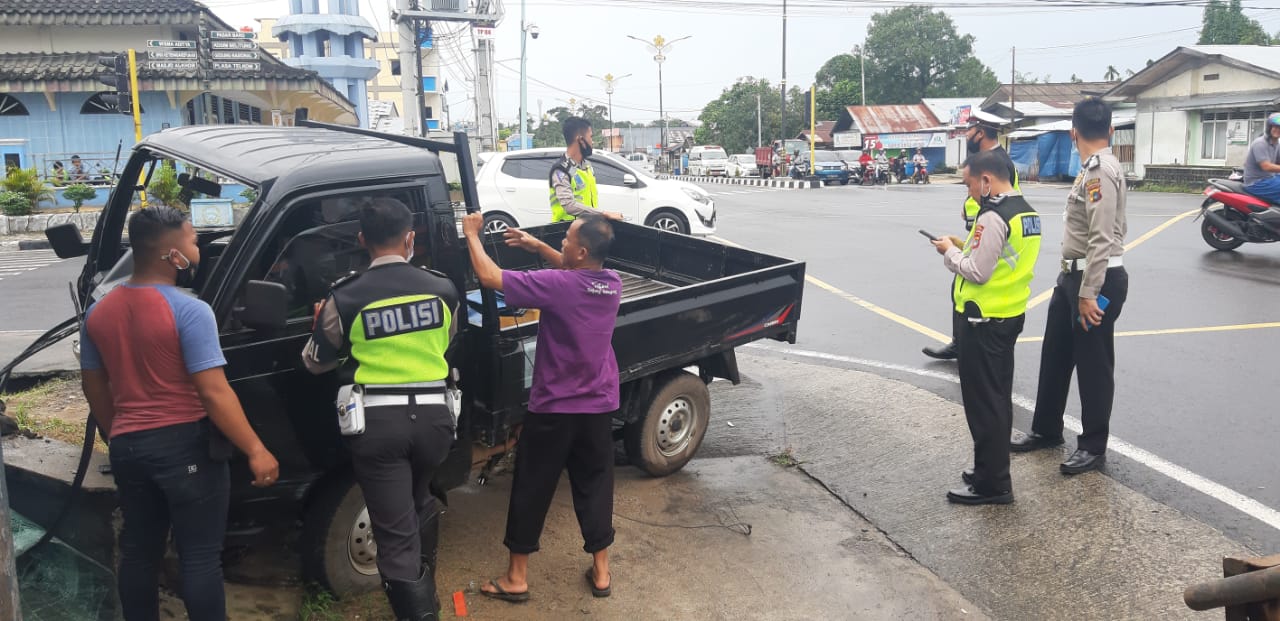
(34, 297)
(1195, 398)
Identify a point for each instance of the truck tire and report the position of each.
(669, 433)
(338, 551)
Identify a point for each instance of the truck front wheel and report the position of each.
(338, 551)
(671, 430)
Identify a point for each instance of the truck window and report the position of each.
(317, 244)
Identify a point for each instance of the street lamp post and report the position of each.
(659, 47)
(609, 80)
(525, 30)
(862, 60)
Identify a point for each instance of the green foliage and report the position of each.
(730, 120)
(839, 85)
(1225, 23)
(164, 188)
(914, 52)
(78, 194)
(27, 182)
(250, 195)
(14, 204)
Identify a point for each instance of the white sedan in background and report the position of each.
(742, 166)
(515, 190)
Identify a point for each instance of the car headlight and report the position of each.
(697, 195)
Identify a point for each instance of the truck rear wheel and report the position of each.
(338, 551)
(671, 430)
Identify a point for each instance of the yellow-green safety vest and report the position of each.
(583, 181)
(1005, 294)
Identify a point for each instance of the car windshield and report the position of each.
(714, 154)
(826, 156)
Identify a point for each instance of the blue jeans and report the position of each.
(1267, 189)
(166, 479)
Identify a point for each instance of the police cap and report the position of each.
(986, 119)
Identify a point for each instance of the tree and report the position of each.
(730, 120)
(839, 85)
(1076, 79)
(1226, 24)
(1112, 74)
(915, 52)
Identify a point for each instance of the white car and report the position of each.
(639, 160)
(742, 166)
(514, 190)
(708, 161)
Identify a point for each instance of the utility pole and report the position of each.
(1013, 85)
(411, 23)
(486, 122)
(862, 60)
(783, 137)
(759, 139)
(524, 83)
(9, 606)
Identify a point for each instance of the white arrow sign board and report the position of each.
(229, 34)
(171, 54)
(237, 66)
(234, 55)
(170, 65)
(170, 43)
(234, 45)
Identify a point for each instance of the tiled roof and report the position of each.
(101, 12)
(823, 134)
(42, 67)
(99, 6)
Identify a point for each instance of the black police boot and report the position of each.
(946, 352)
(413, 601)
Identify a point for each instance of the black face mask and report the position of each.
(973, 146)
(585, 148)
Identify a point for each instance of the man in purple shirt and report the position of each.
(573, 396)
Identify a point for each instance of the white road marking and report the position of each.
(22, 261)
(1216, 491)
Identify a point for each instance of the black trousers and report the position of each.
(550, 443)
(1069, 347)
(986, 385)
(166, 480)
(394, 461)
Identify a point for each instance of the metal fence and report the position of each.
(90, 168)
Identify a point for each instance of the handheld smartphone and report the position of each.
(929, 235)
(1102, 304)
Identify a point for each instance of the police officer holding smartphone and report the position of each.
(1079, 333)
(394, 324)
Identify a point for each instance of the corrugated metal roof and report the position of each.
(1057, 94)
(898, 119)
(942, 107)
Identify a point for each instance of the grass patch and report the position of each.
(55, 409)
(1166, 188)
(319, 604)
(784, 459)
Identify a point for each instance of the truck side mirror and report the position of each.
(265, 305)
(66, 241)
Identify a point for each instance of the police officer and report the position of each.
(573, 181)
(983, 135)
(1078, 333)
(394, 324)
(992, 284)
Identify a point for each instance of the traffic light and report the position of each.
(117, 79)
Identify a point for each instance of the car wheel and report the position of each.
(667, 220)
(672, 428)
(497, 223)
(338, 550)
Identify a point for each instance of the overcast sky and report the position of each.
(580, 37)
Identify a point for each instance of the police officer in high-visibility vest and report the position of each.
(394, 324)
(992, 284)
(573, 181)
(983, 135)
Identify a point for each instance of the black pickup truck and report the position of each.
(687, 303)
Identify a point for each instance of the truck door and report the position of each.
(310, 245)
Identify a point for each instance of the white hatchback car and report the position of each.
(514, 190)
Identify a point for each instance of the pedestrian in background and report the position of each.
(408, 427)
(152, 371)
(992, 285)
(1079, 333)
(575, 392)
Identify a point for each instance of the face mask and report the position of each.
(974, 145)
(585, 147)
(186, 274)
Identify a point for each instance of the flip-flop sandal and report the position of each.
(591, 582)
(502, 594)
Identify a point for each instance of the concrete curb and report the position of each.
(788, 184)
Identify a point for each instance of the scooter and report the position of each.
(1232, 216)
(920, 175)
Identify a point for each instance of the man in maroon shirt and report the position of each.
(573, 396)
(151, 369)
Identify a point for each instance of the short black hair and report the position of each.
(988, 163)
(574, 127)
(384, 220)
(148, 226)
(1092, 119)
(596, 235)
(990, 132)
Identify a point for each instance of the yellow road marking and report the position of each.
(1045, 295)
(1230, 328)
(883, 312)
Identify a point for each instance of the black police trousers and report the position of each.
(549, 444)
(1091, 354)
(986, 385)
(394, 461)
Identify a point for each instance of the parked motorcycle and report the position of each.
(1232, 216)
(921, 175)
